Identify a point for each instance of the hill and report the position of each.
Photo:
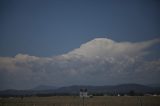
(70, 90)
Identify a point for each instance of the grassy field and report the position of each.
(76, 101)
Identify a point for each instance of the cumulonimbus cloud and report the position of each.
(106, 47)
(99, 61)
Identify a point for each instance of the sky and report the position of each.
(95, 42)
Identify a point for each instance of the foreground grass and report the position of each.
(76, 101)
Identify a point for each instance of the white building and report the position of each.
(83, 93)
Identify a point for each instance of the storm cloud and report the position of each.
(100, 61)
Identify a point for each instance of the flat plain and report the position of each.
(77, 101)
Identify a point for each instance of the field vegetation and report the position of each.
(77, 101)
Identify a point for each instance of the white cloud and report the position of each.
(106, 47)
(99, 61)
(25, 58)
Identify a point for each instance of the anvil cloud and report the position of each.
(100, 61)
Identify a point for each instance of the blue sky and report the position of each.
(90, 42)
(53, 27)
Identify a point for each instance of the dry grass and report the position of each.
(76, 101)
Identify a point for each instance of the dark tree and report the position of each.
(132, 93)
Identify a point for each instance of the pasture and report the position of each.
(77, 101)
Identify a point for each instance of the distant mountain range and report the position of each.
(123, 88)
(43, 89)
